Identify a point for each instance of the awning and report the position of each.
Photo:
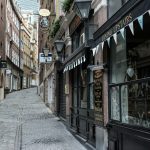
(75, 63)
(128, 13)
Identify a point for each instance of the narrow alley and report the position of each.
(27, 124)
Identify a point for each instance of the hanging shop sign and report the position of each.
(66, 89)
(98, 102)
(44, 23)
(44, 59)
(3, 64)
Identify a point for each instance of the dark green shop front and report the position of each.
(128, 62)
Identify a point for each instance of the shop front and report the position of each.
(127, 44)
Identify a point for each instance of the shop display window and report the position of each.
(130, 80)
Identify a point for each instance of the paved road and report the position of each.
(26, 124)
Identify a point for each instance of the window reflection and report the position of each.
(130, 70)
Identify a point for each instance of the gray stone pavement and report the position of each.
(27, 124)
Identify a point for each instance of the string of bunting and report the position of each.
(114, 36)
(75, 63)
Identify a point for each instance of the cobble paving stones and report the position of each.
(27, 124)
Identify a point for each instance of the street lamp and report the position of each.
(46, 52)
(59, 44)
(82, 8)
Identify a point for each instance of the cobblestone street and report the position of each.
(27, 124)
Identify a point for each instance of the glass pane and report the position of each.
(75, 97)
(83, 88)
(136, 104)
(91, 97)
(118, 60)
(75, 89)
(115, 105)
(124, 102)
(114, 6)
(91, 90)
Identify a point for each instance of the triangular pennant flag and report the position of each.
(131, 26)
(149, 12)
(94, 51)
(108, 40)
(122, 32)
(102, 44)
(84, 58)
(78, 61)
(140, 20)
(97, 48)
(115, 37)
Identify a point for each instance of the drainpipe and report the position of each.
(20, 75)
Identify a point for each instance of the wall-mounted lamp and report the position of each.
(46, 51)
(82, 8)
(59, 44)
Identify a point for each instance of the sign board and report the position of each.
(3, 64)
(44, 59)
(8, 71)
(44, 23)
(98, 101)
(66, 88)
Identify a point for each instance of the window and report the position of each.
(78, 38)
(2, 9)
(83, 88)
(80, 86)
(130, 78)
(75, 88)
(114, 6)
(91, 89)
(75, 41)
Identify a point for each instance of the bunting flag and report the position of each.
(115, 37)
(78, 61)
(102, 45)
(149, 12)
(74, 65)
(131, 26)
(97, 48)
(108, 40)
(84, 58)
(140, 20)
(94, 51)
(122, 32)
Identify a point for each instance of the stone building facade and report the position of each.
(14, 53)
(2, 45)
